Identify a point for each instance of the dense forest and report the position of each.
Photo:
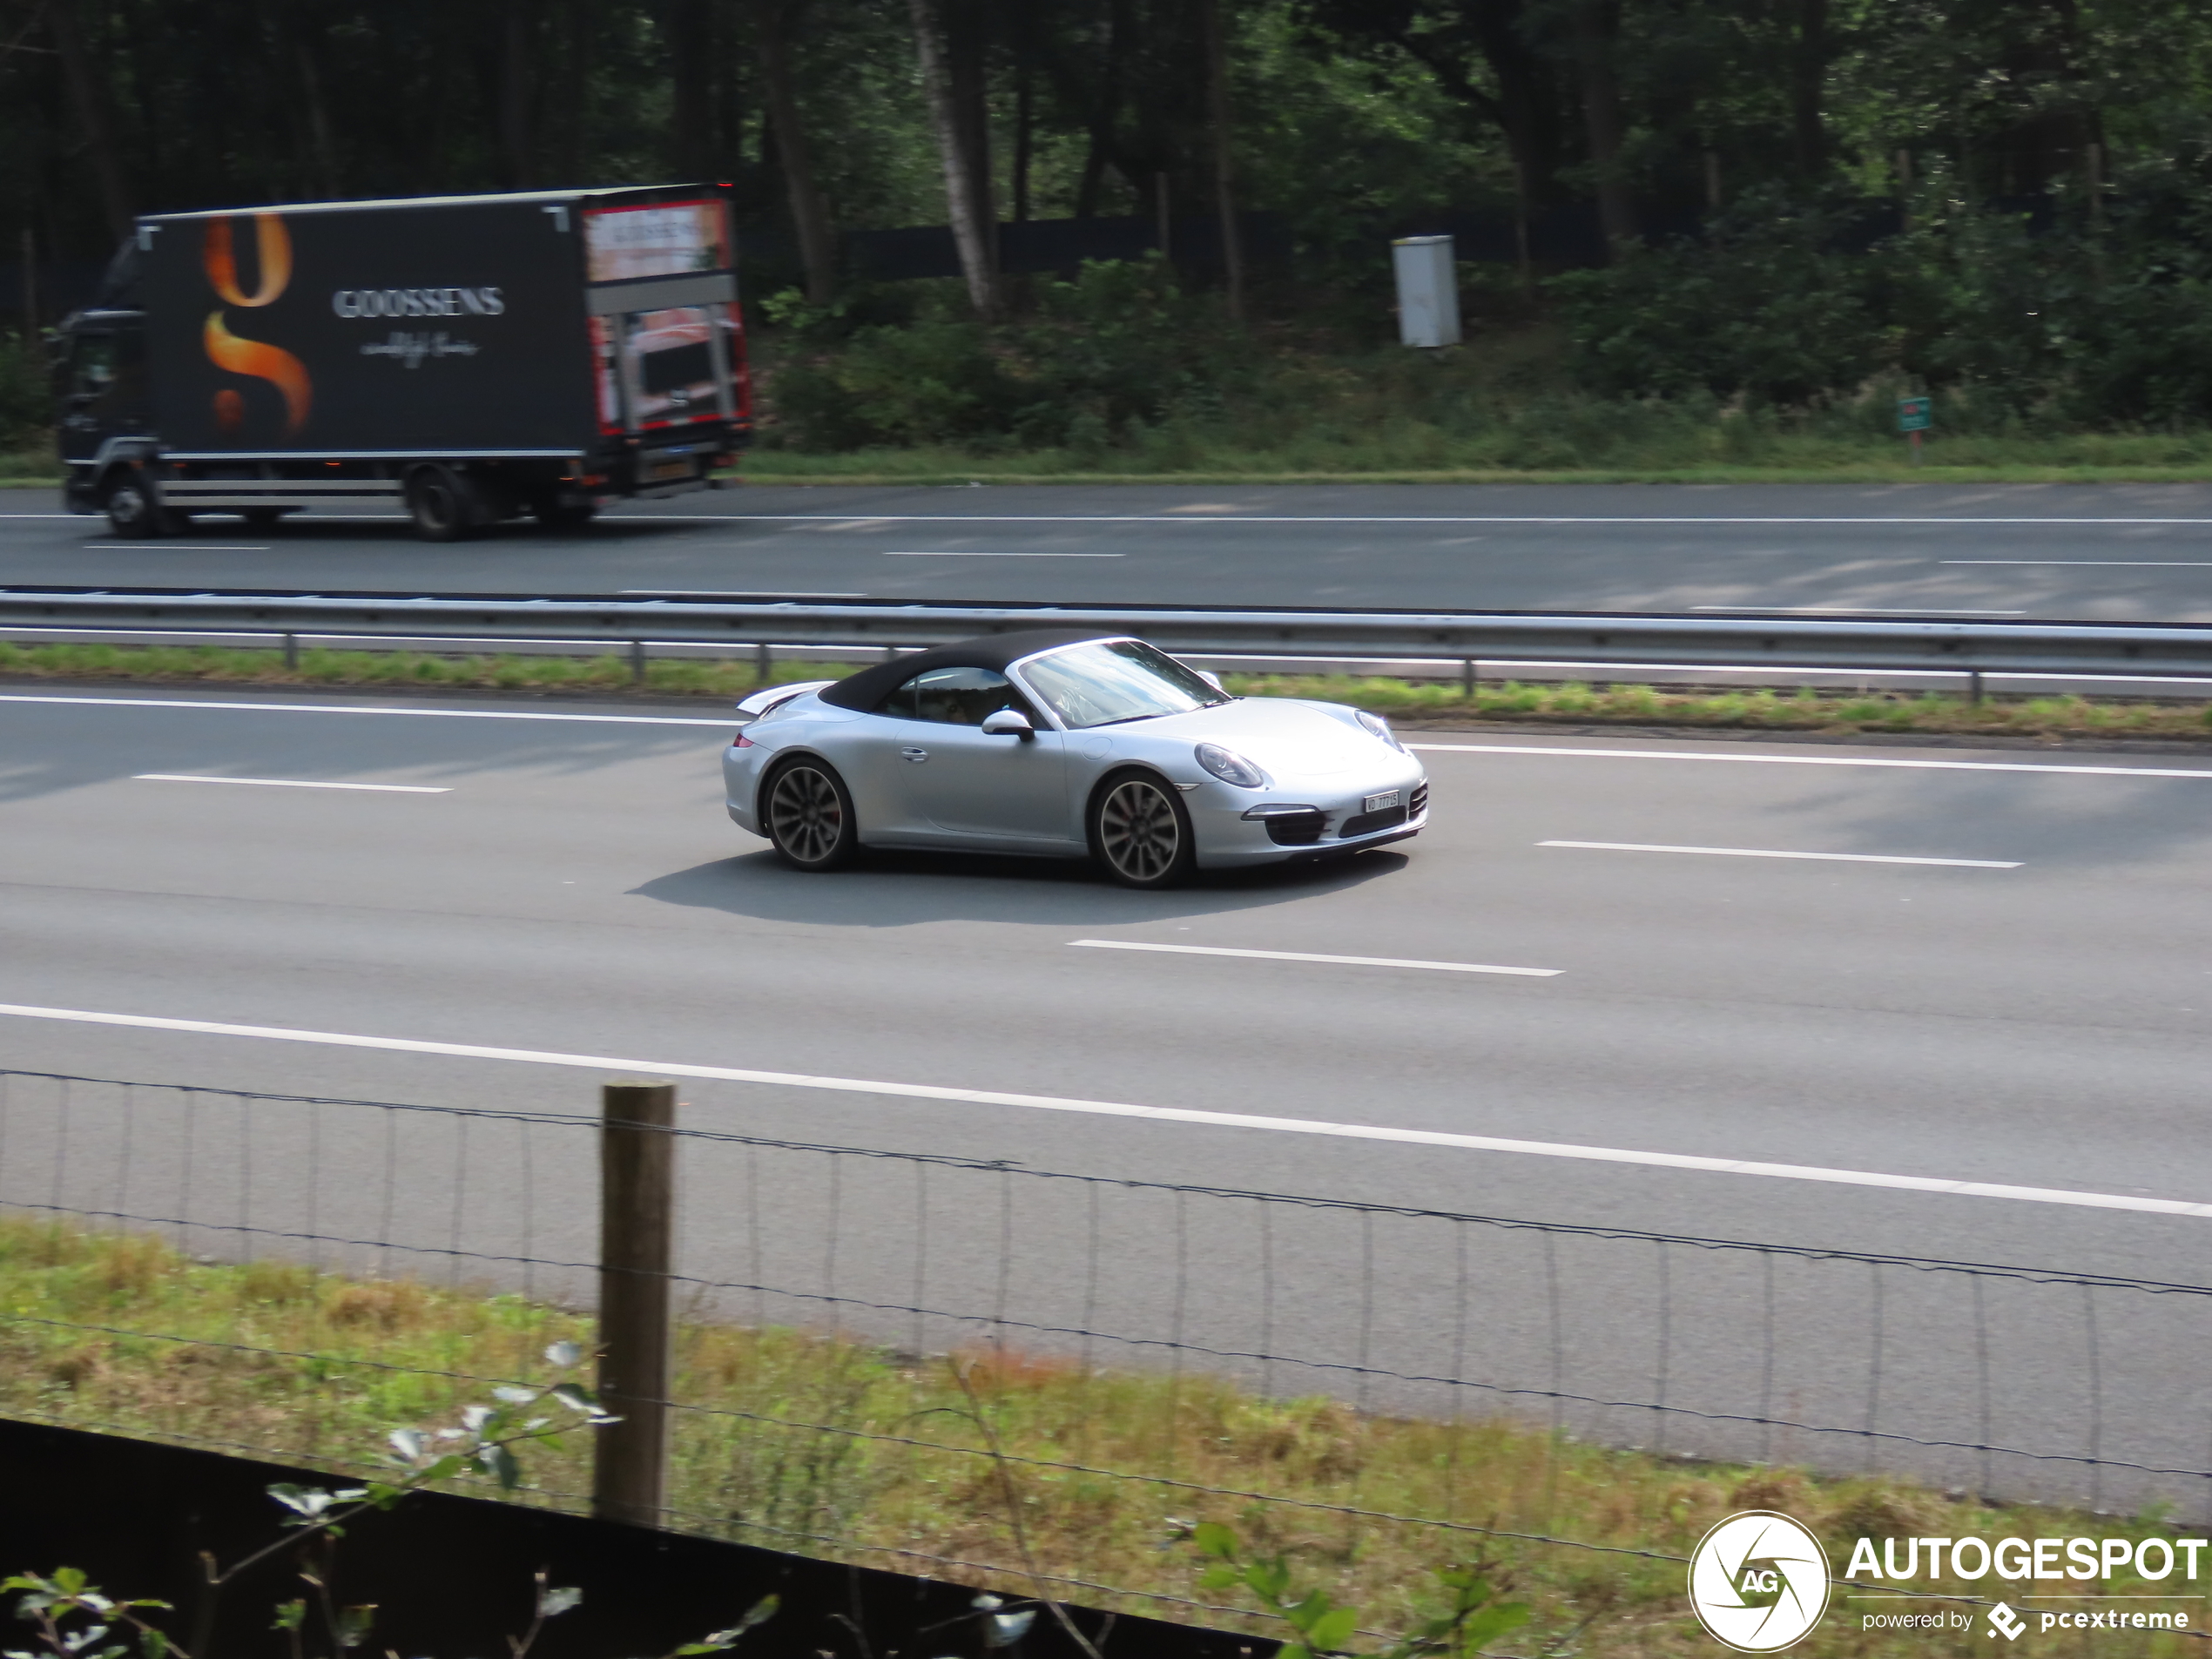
(1711, 217)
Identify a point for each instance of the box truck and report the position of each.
(466, 358)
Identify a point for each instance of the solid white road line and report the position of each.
(733, 593)
(863, 520)
(1757, 853)
(949, 553)
(1308, 956)
(287, 783)
(2110, 564)
(170, 547)
(1856, 611)
(343, 708)
(1157, 1114)
(1804, 760)
(1425, 748)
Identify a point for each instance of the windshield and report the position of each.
(1123, 679)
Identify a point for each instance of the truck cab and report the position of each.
(106, 416)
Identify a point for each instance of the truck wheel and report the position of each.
(437, 500)
(133, 509)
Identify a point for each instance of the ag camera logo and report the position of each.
(1758, 1581)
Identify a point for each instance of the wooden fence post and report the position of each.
(636, 1229)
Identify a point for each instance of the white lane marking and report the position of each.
(1859, 611)
(2107, 565)
(1308, 956)
(865, 520)
(287, 783)
(1805, 760)
(1114, 1108)
(341, 708)
(1757, 852)
(170, 547)
(733, 593)
(951, 553)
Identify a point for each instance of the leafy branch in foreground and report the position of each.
(1472, 1616)
(77, 1620)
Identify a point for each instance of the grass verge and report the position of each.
(1414, 702)
(836, 1448)
(940, 466)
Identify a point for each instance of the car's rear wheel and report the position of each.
(808, 814)
(1141, 832)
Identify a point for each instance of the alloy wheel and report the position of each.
(806, 815)
(1137, 831)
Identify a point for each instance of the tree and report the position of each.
(966, 195)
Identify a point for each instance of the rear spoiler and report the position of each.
(760, 702)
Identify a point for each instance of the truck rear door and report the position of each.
(663, 294)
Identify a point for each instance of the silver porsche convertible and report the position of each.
(1065, 745)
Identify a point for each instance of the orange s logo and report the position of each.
(241, 356)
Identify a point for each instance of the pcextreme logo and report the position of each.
(252, 357)
(1758, 1581)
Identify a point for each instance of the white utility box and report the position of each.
(1428, 291)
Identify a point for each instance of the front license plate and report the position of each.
(1377, 803)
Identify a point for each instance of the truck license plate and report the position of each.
(1377, 803)
(672, 469)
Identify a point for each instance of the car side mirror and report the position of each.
(1002, 723)
(1213, 680)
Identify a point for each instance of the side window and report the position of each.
(91, 367)
(954, 696)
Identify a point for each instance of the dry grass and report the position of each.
(1629, 705)
(806, 1442)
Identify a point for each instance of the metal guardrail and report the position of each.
(2072, 649)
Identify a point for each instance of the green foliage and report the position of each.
(1472, 1613)
(26, 392)
(1765, 307)
(1120, 348)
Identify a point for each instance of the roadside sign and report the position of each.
(1915, 414)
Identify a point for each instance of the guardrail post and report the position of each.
(760, 666)
(292, 650)
(1466, 678)
(1973, 686)
(637, 1230)
(638, 661)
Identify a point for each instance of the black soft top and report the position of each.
(993, 652)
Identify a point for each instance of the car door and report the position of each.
(978, 786)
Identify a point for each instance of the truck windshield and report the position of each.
(1115, 680)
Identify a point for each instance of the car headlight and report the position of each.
(1229, 766)
(1380, 727)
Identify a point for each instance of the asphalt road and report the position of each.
(2029, 1015)
(2107, 552)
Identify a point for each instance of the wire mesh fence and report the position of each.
(985, 1370)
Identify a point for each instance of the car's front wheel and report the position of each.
(1141, 832)
(808, 814)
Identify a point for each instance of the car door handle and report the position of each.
(915, 755)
